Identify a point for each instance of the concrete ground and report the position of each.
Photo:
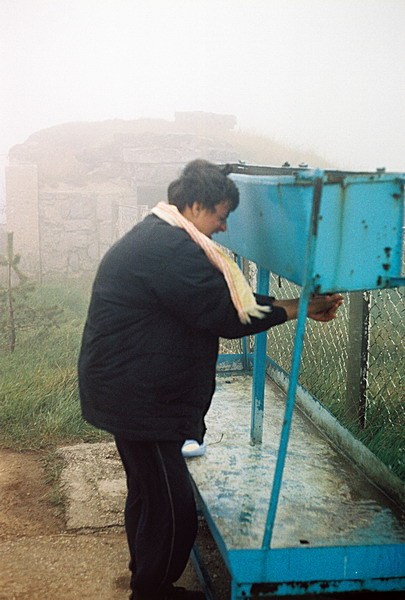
(94, 488)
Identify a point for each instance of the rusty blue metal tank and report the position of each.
(358, 225)
(326, 231)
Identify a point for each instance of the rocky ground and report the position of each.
(39, 558)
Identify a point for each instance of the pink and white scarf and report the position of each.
(239, 289)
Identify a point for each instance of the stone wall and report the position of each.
(76, 228)
(22, 214)
(63, 226)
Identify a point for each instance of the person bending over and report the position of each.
(162, 297)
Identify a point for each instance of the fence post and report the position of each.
(358, 357)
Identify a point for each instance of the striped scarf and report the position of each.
(241, 294)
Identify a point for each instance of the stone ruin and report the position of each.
(73, 189)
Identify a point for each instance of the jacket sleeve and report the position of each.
(193, 290)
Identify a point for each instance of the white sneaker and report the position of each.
(193, 448)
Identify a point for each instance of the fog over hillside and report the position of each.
(326, 77)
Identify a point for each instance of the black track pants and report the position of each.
(160, 512)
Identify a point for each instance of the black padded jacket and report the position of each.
(150, 343)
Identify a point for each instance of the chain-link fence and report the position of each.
(373, 409)
(360, 381)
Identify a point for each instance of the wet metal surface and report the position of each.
(324, 499)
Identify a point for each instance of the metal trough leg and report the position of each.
(259, 368)
(296, 363)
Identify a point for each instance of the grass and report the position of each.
(382, 435)
(39, 402)
(53, 464)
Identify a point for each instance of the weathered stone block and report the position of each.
(80, 225)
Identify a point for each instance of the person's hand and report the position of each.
(324, 308)
(320, 307)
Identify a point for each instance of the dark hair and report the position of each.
(205, 182)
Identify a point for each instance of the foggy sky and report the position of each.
(322, 75)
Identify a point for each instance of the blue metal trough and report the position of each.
(289, 513)
(356, 220)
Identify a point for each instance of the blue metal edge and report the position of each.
(396, 282)
(304, 570)
(234, 363)
(309, 175)
(307, 564)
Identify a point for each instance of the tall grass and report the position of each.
(39, 402)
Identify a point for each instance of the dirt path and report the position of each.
(39, 559)
(25, 498)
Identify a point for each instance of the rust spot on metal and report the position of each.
(259, 590)
(387, 251)
(397, 196)
(379, 280)
(386, 266)
(263, 588)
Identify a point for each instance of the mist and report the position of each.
(326, 76)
